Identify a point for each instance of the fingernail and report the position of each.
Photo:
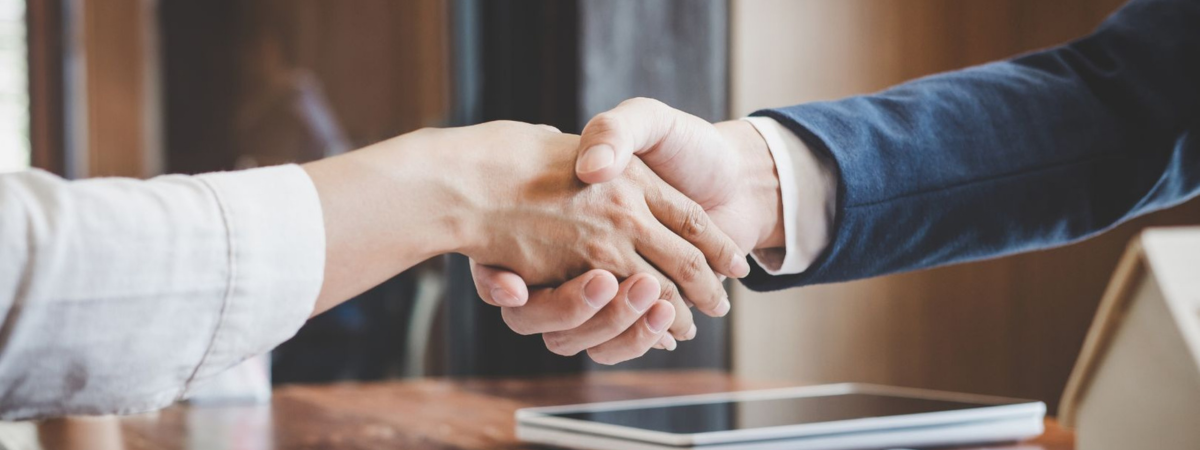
(594, 294)
(658, 320)
(642, 295)
(691, 333)
(739, 267)
(595, 158)
(668, 343)
(503, 298)
(722, 308)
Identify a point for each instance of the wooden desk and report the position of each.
(415, 415)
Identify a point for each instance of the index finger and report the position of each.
(688, 219)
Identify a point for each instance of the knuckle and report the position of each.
(640, 227)
(594, 250)
(638, 180)
(619, 197)
(600, 254)
(690, 267)
(670, 292)
(694, 221)
(727, 250)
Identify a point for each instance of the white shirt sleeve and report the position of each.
(116, 295)
(808, 191)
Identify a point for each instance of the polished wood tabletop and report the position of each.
(419, 414)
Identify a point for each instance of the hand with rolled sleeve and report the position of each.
(117, 295)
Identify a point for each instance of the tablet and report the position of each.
(842, 416)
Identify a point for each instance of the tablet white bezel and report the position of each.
(1003, 408)
(940, 436)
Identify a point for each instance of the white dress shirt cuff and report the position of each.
(276, 236)
(808, 191)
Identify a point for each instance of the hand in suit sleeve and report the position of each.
(1039, 151)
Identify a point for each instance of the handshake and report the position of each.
(600, 243)
(662, 200)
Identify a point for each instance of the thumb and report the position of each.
(659, 135)
(637, 126)
(499, 287)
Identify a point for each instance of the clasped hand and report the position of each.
(710, 184)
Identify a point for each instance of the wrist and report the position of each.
(759, 182)
(442, 178)
(397, 197)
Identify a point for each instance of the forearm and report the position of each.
(1043, 150)
(387, 208)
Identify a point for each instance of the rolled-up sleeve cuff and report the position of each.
(808, 191)
(276, 237)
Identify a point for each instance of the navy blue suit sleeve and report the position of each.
(1038, 151)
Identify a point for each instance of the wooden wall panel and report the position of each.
(383, 64)
(119, 76)
(235, 71)
(44, 19)
(1011, 326)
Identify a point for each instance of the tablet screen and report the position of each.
(738, 415)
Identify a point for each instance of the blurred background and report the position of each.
(144, 87)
